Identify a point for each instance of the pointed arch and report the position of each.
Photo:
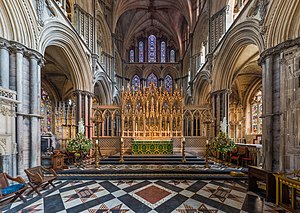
(57, 34)
(242, 35)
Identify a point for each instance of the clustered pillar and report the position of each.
(220, 100)
(84, 103)
(20, 71)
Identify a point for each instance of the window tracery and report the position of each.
(256, 112)
(46, 112)
(152, 48)
(152, 79)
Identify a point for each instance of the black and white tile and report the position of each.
(162, 196)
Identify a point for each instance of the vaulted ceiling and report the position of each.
(170, 19)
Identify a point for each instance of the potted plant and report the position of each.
(80, 144)
(223, 144)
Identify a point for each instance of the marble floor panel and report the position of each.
(162, 196)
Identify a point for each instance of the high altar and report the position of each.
(151, 116)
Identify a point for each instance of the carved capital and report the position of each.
(278, 49)
(17, 48)
(4, 44)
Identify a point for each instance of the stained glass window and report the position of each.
(152, 48)
(141, 51)
(135, 82)
(152, 79)
(168, 82)
(172, 56)
(131, 56)
(163, 52)
(256, 111)
(46, 112)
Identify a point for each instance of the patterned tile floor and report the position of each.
(163, 196)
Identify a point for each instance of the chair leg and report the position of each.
(52, 184)
(34, 188)
(45, 185)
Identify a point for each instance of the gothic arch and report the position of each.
(201, 32)
(253, 88)
(105, 92)
(282, 22)
(17, 22)
(105, 35)
(57, 34)
(202, 88)
(242, 35)
(134, 71)
(152, 69)
(169, 70)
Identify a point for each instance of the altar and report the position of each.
(151, 117)
(152, 147)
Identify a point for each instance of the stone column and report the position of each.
(79, 107)
(220, 108)
(4, 65)
(86, 113)
(34, 110)
(19, 128)
(90, 113)
(267, 114)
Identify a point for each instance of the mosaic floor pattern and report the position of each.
(162, 196)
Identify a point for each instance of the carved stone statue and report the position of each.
(80, 127)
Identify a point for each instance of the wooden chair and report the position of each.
(247, 158)
(235, 156)
(37, 178)
(9, 193)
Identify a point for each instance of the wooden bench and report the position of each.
(258, 174)
(37, 178)
(9, 193)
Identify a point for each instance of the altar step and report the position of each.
(152, 172)
(157, 160)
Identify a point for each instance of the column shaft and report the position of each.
(267, 114)
(34, 136)
(19, 135)
(4, 66)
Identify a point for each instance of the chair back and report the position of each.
(3, 181)
(34, 173)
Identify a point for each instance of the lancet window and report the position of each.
(141, 51)
(152, 79)
(131, 56)
(256, 112)
(152, 48)
(172, 56)
(136, 82)
(163, 52)
(168, 82)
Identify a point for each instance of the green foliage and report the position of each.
(222, 143)
(79, 144)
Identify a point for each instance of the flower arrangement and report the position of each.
(80, 143)
(222, 143)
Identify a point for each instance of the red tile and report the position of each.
(153, 194)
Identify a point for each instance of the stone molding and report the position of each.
(7, 102)
(223, 91)
(16, 47)
(278, 49)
